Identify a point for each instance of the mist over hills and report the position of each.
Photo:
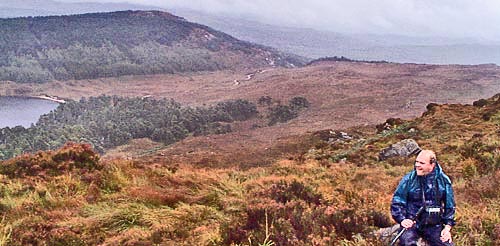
(14, 8)
(301, 41)
(40, 49)
(315, 44)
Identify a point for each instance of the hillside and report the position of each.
(86, 46)
(323, 195)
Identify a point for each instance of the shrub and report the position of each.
(238, 110)
(298, 103)
(80, 156)
(70, 156)
(283, 192)
(265, 101)
(280, 114)
(486, 155)
(431, 106)
(480, 103)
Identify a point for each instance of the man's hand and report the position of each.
(445, 234)
(407, 223)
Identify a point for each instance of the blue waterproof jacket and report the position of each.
(408, 199)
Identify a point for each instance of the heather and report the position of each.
(336, 193)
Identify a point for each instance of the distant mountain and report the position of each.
(39, 49)
(24, 8)
(315, 44)
(302, 41)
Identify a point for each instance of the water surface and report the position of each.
(23, 111)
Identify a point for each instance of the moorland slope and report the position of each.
(334, 192)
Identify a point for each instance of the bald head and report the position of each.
(425, 162)
(428, 155)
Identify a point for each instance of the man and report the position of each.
(436, 204)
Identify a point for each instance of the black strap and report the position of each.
(437, 195)
(422, 187)
(436, 190)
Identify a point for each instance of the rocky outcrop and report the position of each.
(403, 148)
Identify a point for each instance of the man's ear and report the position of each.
(432, 160)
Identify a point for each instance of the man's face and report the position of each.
(423, 165)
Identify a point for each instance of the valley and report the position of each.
(342, 95)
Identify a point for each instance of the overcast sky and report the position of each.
(445, 18)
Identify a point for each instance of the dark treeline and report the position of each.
(341, 59)
(109, 121)
(279, 113)
(40, 49)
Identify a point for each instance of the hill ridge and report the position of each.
(95, 45)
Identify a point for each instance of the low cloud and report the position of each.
(445, 18)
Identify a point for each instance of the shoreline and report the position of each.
(54, 99)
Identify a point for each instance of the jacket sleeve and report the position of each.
(449, 203)
(399, 201)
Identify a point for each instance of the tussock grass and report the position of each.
(5, 232)
(315, 199)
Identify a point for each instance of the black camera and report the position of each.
(432, 215)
